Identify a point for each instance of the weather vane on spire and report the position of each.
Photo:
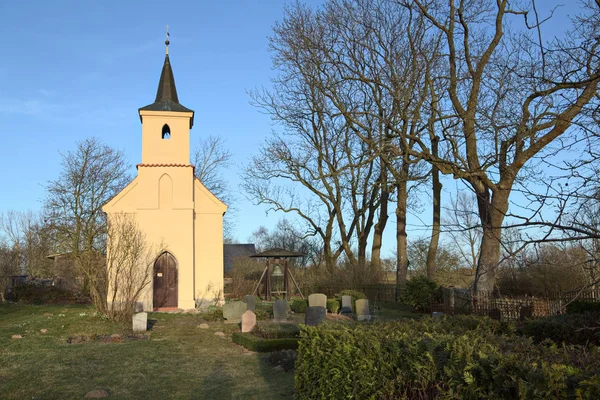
(167, 41)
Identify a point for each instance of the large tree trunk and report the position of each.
(435, 227)
(401, 242)
(491, 212)
(381, 223)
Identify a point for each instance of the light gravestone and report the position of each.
(248, 321)
(250, 302)
(140, 322)
(362, 310)
(317, 300)
(233, 311)
(315, 315)
(280, 310)
(346, 305)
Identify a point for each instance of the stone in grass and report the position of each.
(17, 337)
(362, 310)
(233, 311)
(280, 310)
(44, 330)
(437, 314)
(97, 394)
(248, 321)
(346, 305)
(203, 326)
(315, 315)
(220, 334)
(140, 322)
(250, 302)
(317, 300)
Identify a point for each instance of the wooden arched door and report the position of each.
(165, 281)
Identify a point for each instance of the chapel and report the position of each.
(172, 207)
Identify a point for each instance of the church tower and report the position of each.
(172, 207)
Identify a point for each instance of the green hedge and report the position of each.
(581, 328)
(455, 358)
(419, 293)
(299, 306)
(254, 343)
(582, 306)
(333, 306)
(31, 294)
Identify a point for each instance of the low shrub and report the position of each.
(254, 343)
(454, 358)
(355, 294)
(419, 293)
(213, 314)
(569, 328)
(276, 331)
(33, 294)
(299, 305)
(582, 306)
(333, 306)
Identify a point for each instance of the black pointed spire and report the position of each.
(166, 85)
(166, 95)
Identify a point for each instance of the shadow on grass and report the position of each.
(218, 381)
(150, 324)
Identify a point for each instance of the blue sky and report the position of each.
(76, 69)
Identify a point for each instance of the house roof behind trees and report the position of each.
(232, 252)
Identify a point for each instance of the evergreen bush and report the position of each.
(333, 306)
(299, 305)
(582, 306)
(419, 293)
(454, 358)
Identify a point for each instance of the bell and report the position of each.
(277, 271)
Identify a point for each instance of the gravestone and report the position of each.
(525, 313)
(315, 315)
(346, 305)
(233, 311)
(140, 322)
(362, 310)
(248, 321)
(280, 310)
(317, 300)
(496, 314)
(250, 302)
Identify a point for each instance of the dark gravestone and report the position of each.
(525, 313)
(250, 302)
(346, 304)
(496, 314)
(315, 315)
(280, 310)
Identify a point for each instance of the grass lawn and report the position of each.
(178, 361)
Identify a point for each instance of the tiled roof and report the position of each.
(164, 165)
(166, 95)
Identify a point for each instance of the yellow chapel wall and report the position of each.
(155, 149)
(209, 245)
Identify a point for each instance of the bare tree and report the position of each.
(463, 226)
(210, 158)
(508, 94)
(128, 268)
(91, 175)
